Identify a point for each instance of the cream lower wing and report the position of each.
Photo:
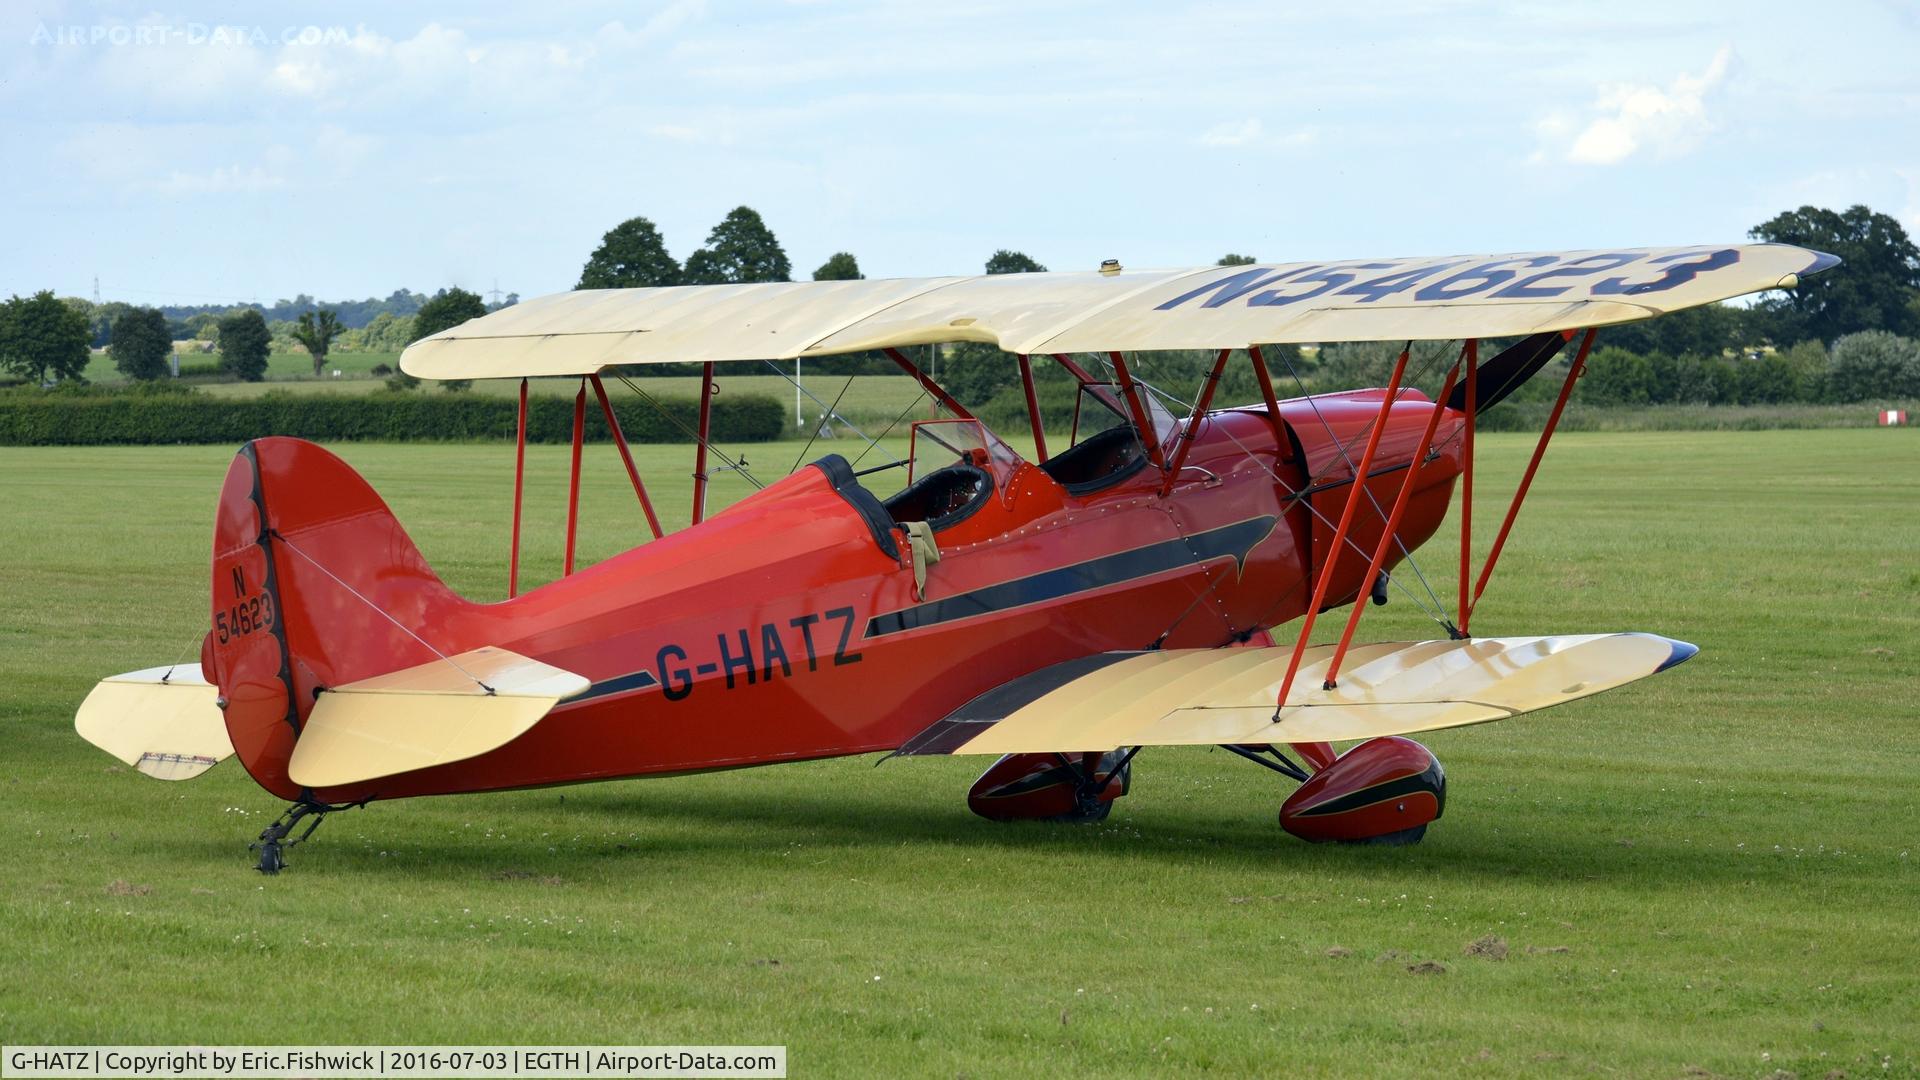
(1185, 697)
(164, 721)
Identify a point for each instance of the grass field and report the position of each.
(1710, 872)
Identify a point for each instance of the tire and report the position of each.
(1403, 838)
(1100, 808)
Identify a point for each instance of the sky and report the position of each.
(205, 153)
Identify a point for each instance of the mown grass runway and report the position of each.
(1715, 868)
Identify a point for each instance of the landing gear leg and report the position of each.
(1095, 773)
(273, 842)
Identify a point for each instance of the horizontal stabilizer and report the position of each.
(1181, 697)
(434, 714)
(163, 721)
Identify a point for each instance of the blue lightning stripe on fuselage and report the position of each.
(1236, 540)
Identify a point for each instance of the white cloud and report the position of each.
(229, 178)
(662, 23)
(1630, 118)
(1250, 132)
(1239, 134)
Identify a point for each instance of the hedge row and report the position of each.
(39, 419)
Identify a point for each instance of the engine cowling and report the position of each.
(1382, 791)
(1042, 787)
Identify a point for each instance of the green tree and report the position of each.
(1707, 330)
(1345, 365)
(386, 333)
(141, 344)
(1013, 262)
(1874, 364)
(741, 248)
(1809, 362)
(245, 342)
(840, 266)
(1769, 380)
(1615, 376)
(102, 316)
(448, 308)
(315, 332)
(631, 255)
(44, 337)
(1230, 259)
(1871, 292)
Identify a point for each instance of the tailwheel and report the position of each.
(1076, 788)
(277, 837)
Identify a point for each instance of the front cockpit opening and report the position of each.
(943, 497)
(1098, 461)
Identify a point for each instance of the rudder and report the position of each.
(315, 584)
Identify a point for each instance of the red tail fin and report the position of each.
(315, 584)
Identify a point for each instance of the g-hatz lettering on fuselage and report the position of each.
(736, 654)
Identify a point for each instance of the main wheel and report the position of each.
(1383, 791)
(1044, 787)
(1403, 838)
(1092, 808)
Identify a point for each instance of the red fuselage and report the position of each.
(789, 626)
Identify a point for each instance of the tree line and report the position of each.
(47, 339)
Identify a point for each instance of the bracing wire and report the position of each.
(736, 466)
(833, 413)
(295, 548)
(1360, 481)
(1297, 497)
(895, 422)
(1392, 581)
(871, 444)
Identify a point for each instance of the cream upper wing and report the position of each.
(1214, 307)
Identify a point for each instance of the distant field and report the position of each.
(1712, 872)
(281, 367)
(874, 399)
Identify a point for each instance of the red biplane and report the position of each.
(1059, 614)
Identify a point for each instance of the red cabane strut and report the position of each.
(944, 398)
(1033, 408)
(700, 451)
(519, 485)
(1186, 437)
(626, 456)
(573, 476)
